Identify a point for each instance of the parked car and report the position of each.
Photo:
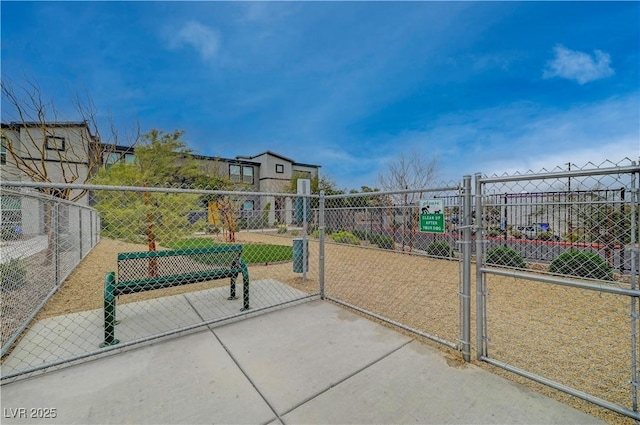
(537, 231)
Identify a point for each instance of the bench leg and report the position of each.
(109, 311)
(232, 289)
(245, 289)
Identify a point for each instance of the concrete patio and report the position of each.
(311, 363)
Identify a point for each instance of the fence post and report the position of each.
(55, 228)
(480, 346)
(80, 232)
(321, 242)
(635, 221)
(466, 269)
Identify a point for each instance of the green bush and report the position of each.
(545, 236)
(383, 241)
(505, 256)
(581, 264)
(345, 237)
(439, 249)
(315, 234)
(494, 232)
(361, 234)
(282, 228)
(13, 275)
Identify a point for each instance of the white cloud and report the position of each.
(202, 38)
(578, 66)
(525, 136)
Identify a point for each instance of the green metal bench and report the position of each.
(146, 271)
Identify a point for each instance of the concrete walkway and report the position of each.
(313, 363)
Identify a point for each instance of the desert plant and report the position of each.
(439, 249)
(505, 256)
(581, 264)
(345, 237)
(13, 275)
(383, 241)
(265, 214)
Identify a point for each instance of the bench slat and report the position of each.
(177, 252)
(160, 282)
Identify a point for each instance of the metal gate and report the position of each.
(557, 280)
(377, 260)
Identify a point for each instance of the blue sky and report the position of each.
(487, 87)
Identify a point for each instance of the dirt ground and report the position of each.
(572, 336)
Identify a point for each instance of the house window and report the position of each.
(279, 168)
(247, 174)
(3, 151)
(55, 143)
(241, 174)
(247, 206)
(129, 158)
(111, 158)
(235, 173)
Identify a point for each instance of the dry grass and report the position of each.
(572, 336)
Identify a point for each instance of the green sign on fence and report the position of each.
(432, 215)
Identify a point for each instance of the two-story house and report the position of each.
(61, 152)
(68, 152)
(267, 172)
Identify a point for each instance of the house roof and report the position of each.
(278, 156)
(17, 125)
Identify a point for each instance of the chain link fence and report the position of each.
(556, 258)
(557, 280)
(167, 261)
(380, 263)
(42, 240)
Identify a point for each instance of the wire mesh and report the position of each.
(570, 239)
(172, 252)
(42, 240)
(379, 261)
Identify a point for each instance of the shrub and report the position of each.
(361, 234)
(13, 275)
(345, 237)
(545, 236)
(383, 241)
(517, 234)
(494, 232)
(282, 228)
(439, 249)
(315, 234)
(294, 233)
(581, 264)
(505, 256)
(265, 214)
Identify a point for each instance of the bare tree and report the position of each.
(40, 146)
(413, 172)
(45, 148)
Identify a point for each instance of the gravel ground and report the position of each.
(575, 337)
